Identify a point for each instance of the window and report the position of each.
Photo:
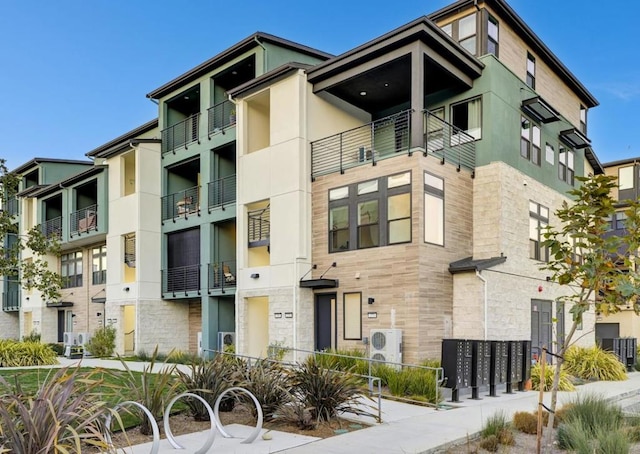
(625, 178)
(550, 154)
(620, 219)
(130, 250)
(99, 265)
(538, 221)
(566, 165)
(583, 119)
(464, 31)
(492, 36)
(433, 209)
(352, 316)
(370, 213)
(466, 116)
(71, 269)
(531, 71)
(530, 141)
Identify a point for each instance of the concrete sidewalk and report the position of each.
(406, 429)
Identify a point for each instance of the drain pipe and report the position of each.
(484, 281)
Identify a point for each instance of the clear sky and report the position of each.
(74, 73)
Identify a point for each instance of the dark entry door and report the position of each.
(325, 310)
(541, 327)
(62, 323)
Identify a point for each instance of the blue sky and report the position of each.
(74, 73)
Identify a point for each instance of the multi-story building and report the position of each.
(309, 200)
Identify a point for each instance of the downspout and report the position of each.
(484, 281)
(264, 59)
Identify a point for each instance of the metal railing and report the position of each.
(362, 145)
(84, 220)
(99, 277)
(181, 279)
(222, 192)
(221, 275)
(181, 134)
(52, 227)
(449, 143)
(181, 203)
(259, 228)
(13, 206)
(221, 116)
(11, 300)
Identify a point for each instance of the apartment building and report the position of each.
(288, 196)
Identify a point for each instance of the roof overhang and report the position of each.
(70, 181)
(266, 79)
(538, 108)
(121, 143)
(469, 264)
(574, 138)
(60, 304)
(593, 160)
(319, 283)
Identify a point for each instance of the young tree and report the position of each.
(596, 267)
(35, 273)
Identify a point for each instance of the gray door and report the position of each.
(560, 326)
(325, 305)
(607, 331)
(541, 327)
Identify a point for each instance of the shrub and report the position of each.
(491, 443)
(57, 348)
(415, 383)
(549, 370)
(594, 412)
(267, 381)
(495, 424)
(19, 354)
(525, 422)
(611, 442)
(33, 336)
(574, 436)
(353, 360)
(103, 342)
(594, 363)
(180, 357)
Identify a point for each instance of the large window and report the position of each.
(370, 213)
(566, 160)
(492, 36)
(352, 316)
(625, 178)
(433, 209)
(530, 141)
(464, 31)
(99, 265)
(531, 71)
(538, 221)
(467, 116)
(583, 119)
(71, 269)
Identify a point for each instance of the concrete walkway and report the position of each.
(406, 429)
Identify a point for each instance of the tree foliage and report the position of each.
(34, 273)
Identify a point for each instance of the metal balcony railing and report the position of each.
(181, 134)
(362, 145)
(221, 276)
(181, 203)
(259, 227)
(13, 206)
(181, 279)
(449, 143)
(52, 227)
(11, 300)
(83, 221)
(221, 116)
(222, 192)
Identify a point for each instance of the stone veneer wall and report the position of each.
(162, 323)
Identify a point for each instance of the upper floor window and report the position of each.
(99, 265)
(71, 269)
(492, 35)
(550, 154)
(583, 119)
(531, 71)
(467, 116)
(538, 221)
(625, 178)
(566, 170)
(464, 31)
(530, 141)
(433, 209)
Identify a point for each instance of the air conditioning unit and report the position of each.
(200, 344)
(83, 338)
(364, 154)
(70, 338)
(385, 345)
(225, 339)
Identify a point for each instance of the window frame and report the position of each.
(530, 78)
(533, 150)
(566, 173)
(491, 40)
(352, 335)
(540, 253)
(583, 119)
(454, 32)
(436, 194)
(69, 262)
(99, 276)
(457, 129)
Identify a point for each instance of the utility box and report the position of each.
(480, 365)
(498, 368)
(526, 363)
(456, 362)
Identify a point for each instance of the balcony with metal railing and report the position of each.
(221, 116)
(181, 204)
(52, 227)
(11, 301)
(449, 143)
(221, 276)
(83, 221)
(259, 228)
(181, 280)
(181, 134)
(222, 192)
(363, 145)
(13, 206)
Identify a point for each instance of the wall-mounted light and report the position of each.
(126, 289)
(255, 275)
(99, 314)
(371, 300)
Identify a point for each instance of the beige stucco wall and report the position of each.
(627, 319)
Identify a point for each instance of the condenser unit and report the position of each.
(225, 339)
(83, 338)
(386, 346)
(69, 338)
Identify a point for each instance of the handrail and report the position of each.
(181, 203)
(222, 191)
(221, 275)
(259, 228)
(52, 227)
(449, 143)
(220, 116)
(84, 220)
(181, 279)
(181, 134)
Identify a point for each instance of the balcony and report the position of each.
(11, 301)
(83, 221)
(52, 228)
(221, 116)
(363, 145)
(259, 227)
(448, 143)
(181, 279)
(181, 134)
(222, 192)
(13, 206)
(221, 276)
(181, 203)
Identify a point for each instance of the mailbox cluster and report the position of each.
(625, 348)
(471, 364)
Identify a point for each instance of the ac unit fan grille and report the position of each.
(228, 339)
(378, 340)
(378, 357)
